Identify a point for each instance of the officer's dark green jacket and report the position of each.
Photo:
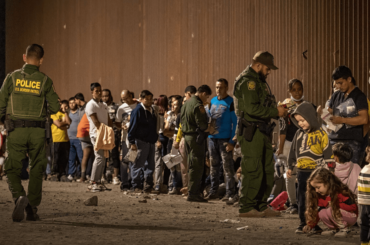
(24, 92)
(193, 116)
(249, 95)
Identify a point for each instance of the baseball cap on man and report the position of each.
(265, 58)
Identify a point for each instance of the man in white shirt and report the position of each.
(123, 122)
(97, 113)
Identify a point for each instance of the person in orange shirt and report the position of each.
(83, 130)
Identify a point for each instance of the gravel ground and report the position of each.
(122, 219)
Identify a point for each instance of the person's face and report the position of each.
(187, 95)
(204, 97)
(147, 101)
(221, 89)
(264, 71)
(63, 107)
(343, 84)
(126, 98)
(72, 105)
(302, 122)
(319, 188)
(96, 93)
(105, 97)
(175, 106)
(77, 102)
(296, 91)
(184, 100)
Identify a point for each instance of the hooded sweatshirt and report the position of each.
(348, 173)
(311, 147)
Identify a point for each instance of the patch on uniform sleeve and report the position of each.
(202, 110)
(251, 85)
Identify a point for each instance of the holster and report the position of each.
(9, 125)
(266, 128)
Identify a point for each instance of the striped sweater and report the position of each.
(364, 186)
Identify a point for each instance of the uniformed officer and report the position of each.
(23, 98)
(194, 126)
(255, 107)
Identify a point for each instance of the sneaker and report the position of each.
(252, 214)
(103, 180)
(96, 188)
(226, 198)
(329, 233)
(70, 178)
(32, 213)
(293, 209)
(315, 231)
(233, 200)
(20, 205)
(115, 181)
(192, 198)
(211, 196)
(342, 233)
(184, 190)
(103, 187)
(287, 210)
(269, 212)
(299, 229)
(174, 191)
(87, 177)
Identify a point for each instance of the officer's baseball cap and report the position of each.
(266, 59)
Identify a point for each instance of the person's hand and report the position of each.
(210, 129)
(159, 145)
(229, 147)
(289, 173)
(176, 145)
(124, 127)
(336, 120)
(133, 147)
(282, 111)
(319, 110)
(307, 229)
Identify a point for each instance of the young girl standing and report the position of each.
(330, 201)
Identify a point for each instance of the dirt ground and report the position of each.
(121, 219)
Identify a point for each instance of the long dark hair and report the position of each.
(162, 104)
(335, 186)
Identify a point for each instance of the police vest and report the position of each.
(27, 99)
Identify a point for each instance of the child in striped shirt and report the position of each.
(364, 200)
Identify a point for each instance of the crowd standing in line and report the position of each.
(205, 149)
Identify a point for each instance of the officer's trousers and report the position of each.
(196, 160)
(20, 142)
(257, 172)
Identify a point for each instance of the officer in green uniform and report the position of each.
(255, 106)
(194, 126)
(23, 98)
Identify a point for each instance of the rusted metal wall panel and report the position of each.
(165, 45)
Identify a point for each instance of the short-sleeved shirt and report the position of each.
(59, 135)
(75, 120)
(101, 111)
(124, 111)
(355, 132)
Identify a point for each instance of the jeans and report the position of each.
(60, 159)
(301, 194)
(75, 150)
(145, 163)
(125, 177)
(365, 223)
(218, 155)
(98, 165)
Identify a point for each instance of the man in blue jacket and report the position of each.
(221, 144)
(142, 135)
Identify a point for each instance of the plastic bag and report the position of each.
(172, 160)
(132, 156)
(329, 125)
(280, 165)
(348, 109)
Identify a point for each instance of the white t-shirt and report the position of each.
(124, 111)
(101, 111)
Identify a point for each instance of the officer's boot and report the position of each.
(32, 213)
(18, 212)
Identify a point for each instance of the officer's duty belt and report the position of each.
(193, 133)
(28, 124)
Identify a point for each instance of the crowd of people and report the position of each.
(188, 145)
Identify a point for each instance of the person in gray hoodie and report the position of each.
(310, 149)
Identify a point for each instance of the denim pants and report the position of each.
(302, 178)
(218, 155)
(144, 163)
(125, 177)
(75, 150)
